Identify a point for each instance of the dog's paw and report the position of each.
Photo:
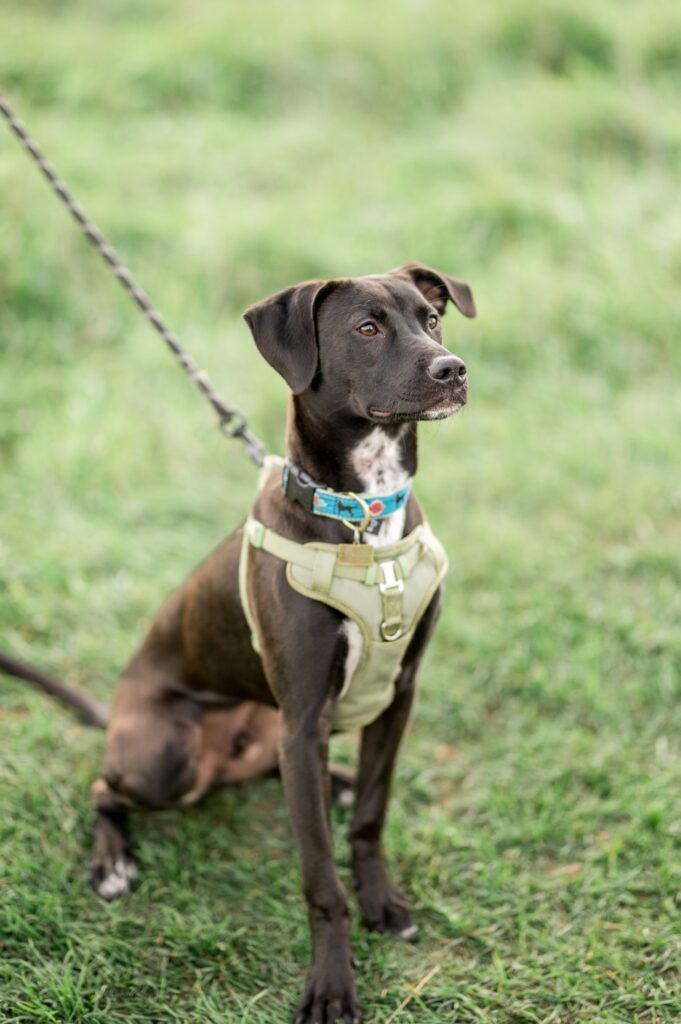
(112, 878)
(329, 1000)
(343, 785)
(385, 909)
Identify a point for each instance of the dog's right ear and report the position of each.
(285, 331)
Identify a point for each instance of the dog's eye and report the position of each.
(432, 321)
(368, 329)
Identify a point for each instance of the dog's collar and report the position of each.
(323, 501)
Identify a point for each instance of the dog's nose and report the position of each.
(446, 368)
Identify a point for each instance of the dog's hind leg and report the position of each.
(167, 752)
(114, 867)
(151, 759)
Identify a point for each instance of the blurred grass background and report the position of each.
(533, 149)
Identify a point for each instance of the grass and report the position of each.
(532, 149)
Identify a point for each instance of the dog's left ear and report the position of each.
(437, 287)
(285, 331)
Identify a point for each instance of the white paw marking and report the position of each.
(409, 933)
(118, 880)
(346, 797)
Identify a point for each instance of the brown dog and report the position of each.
(197, 706)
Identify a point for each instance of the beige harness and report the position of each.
(385, 598)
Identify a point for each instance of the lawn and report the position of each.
(533, 149)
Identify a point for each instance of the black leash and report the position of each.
(232, 421)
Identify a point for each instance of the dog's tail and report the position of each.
(92, 711)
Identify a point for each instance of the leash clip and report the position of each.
(239, 430)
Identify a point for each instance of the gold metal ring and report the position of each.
(388, 635)
(367, 515)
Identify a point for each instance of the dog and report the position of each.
(198, 706)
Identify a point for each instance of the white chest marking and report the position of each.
(376, 461)
(354, 639)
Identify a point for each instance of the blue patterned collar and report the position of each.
(323, 501)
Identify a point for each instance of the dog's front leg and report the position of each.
(330, 991)
(384, 908)
(304, 660)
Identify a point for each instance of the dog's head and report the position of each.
(369, 346)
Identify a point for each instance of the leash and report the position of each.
(231, 421)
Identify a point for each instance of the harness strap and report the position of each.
(322, 571)
(405, 554)
(324, 562)
(243, 589)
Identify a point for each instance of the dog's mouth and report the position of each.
(439, 410)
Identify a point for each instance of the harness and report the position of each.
(385, 592)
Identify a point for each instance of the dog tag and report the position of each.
(355, 554)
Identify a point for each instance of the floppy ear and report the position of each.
(437, 288)
(285, 332)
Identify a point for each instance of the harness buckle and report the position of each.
(391, 589)
(390, 583)
(299, 486)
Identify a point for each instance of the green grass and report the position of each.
(532, 149)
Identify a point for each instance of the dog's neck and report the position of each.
(350, 454)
